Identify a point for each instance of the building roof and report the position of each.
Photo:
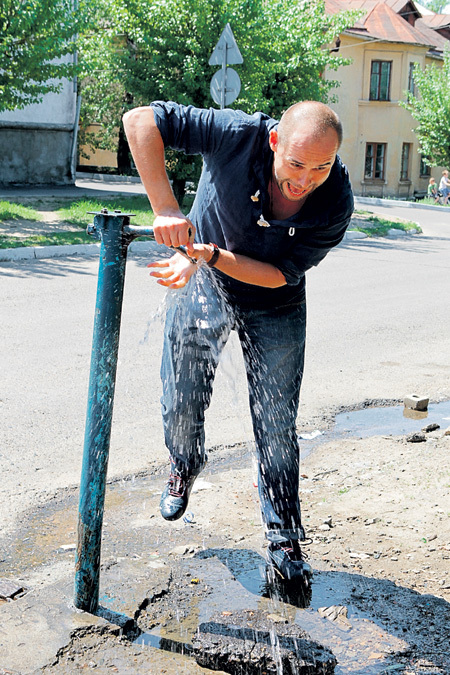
(436, 21)
(381, 22)
(407, 9)
(440, 42)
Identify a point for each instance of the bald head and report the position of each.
(317, 116)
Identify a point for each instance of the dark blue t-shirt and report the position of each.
(237, 165)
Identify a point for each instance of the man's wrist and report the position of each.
(215, 255)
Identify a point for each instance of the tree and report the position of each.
(431, 109)
(37, 39)
(167, 44)
(102, 81)
(435, 5)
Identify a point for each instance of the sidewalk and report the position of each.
(86, 185)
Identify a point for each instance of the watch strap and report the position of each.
(215, 255)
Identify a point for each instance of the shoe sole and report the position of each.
(305, 577)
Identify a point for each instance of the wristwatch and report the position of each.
(215, 255)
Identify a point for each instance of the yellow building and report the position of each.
(98, 159)
(380, 147)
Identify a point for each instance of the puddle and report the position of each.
(362, 645)
(380, 421)
(392, 421)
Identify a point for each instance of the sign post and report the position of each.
(225, 84)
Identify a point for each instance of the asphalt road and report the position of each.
(379, 326)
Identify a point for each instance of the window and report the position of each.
(425, 170)
(380, 80)
(375, 156)
(404, 169)
(411, 85)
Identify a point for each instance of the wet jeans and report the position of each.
(198, 324)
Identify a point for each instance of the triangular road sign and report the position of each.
(227, 49)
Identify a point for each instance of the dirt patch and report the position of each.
(22, 228)
(381, 506)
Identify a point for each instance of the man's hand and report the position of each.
(174, 230)
(174, 272)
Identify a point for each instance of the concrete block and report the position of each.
(394, 232)
(355, 234)
(252, 642)
(20, 253)
(416, 402)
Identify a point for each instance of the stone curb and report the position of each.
(35, 252)
(391, 234)
(377, 201)
(107, 178)
(41, 252)
(44, 252)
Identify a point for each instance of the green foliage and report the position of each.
(435, 5)
(431, 109)
(164, 47)
(377, 226)
(169, 42)
(37, 44)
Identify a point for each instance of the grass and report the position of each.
(377, 226)
(55, 239)
(429, 200)
(12, 211)
(76, 212)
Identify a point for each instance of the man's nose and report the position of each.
(303, 177)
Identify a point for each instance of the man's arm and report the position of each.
(176, 272)
(171, 227)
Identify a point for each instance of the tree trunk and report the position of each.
(123, 154)
(179, 189)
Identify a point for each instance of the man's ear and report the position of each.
(273, 139)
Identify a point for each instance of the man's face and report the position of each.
(303, 161)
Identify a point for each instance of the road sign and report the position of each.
(226, 50)
(225, 84)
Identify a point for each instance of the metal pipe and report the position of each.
(116, 233)
(111, 228)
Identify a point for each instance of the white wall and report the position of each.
(55, 109)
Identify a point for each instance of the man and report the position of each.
(272, 200)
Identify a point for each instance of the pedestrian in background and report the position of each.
(433, 192)
(444, 186)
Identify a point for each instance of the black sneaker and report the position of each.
(287, 559)
(175, 496)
